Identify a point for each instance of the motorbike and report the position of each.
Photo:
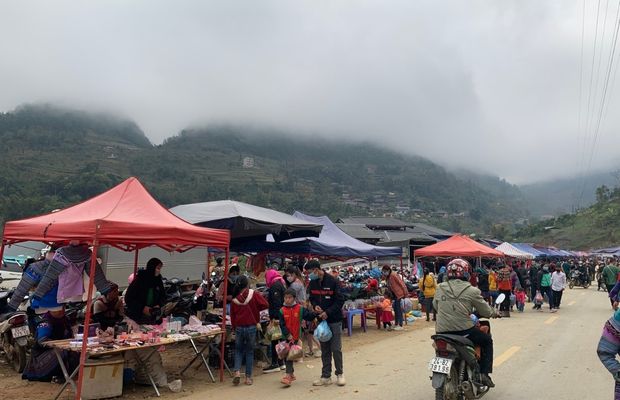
(14, 335)
(455, 370)
(578, 278)
(178, 302)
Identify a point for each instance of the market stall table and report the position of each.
(100, 350)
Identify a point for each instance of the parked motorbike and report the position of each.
(578, 278)
(455, 369)
(178, 302)
(14, 334)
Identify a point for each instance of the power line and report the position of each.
(606, 86)
(580, 105)
(586, 130)
(603, 104)
(592, 66)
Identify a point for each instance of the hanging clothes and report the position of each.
(65, 256)
(70, 280)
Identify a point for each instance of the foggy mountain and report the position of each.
(54, 157)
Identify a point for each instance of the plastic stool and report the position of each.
(349, 314)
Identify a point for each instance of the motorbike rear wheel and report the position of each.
(18, 358)
(571, 284)
(439, 394)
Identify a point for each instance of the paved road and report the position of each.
(537, 355)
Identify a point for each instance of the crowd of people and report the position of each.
(522, 282)
(302, 296)
(295, 308)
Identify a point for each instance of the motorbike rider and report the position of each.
(455, 300)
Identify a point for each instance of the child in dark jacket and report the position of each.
(291, 315)
(244, 315)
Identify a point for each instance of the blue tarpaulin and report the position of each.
(332, 241)
(528, 249)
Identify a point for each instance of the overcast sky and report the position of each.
(490, 85)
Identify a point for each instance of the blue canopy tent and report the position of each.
(527, 248)
(614, 251)
(332, 242)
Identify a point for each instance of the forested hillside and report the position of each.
(53, 157)
(590, 228)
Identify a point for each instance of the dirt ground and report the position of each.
(195, 380)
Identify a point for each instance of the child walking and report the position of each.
(386, 316)
(520, 294)
(291, 316)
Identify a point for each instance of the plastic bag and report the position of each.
(538, 299)
(322, 333)
(406, 304)
(274, 332)
(295, 353)
(282, 349)
(175, 386)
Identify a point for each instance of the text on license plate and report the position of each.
(441, 365)
(20, 331)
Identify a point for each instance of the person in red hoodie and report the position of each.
(245, 314)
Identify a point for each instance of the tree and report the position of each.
(602, 194)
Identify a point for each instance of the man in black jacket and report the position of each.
(534, 282)
(327, 301)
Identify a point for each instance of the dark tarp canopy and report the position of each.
(331, 242)
(246, 222)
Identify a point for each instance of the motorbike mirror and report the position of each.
(500, 299)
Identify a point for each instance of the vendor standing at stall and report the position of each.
(143, 302)
(233, 274)
(146, 295)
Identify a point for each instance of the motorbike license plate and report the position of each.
(20, 331)
(441, 365)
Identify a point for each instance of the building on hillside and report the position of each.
(248, 162)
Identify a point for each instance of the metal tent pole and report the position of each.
(2, 252)
(93, 263)
(223, 344)
(135, 262)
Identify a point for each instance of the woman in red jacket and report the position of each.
(397, 286)
(245, 314)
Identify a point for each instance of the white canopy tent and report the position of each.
(513, 252)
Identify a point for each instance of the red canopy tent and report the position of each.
(126, 217)
(458, 246)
